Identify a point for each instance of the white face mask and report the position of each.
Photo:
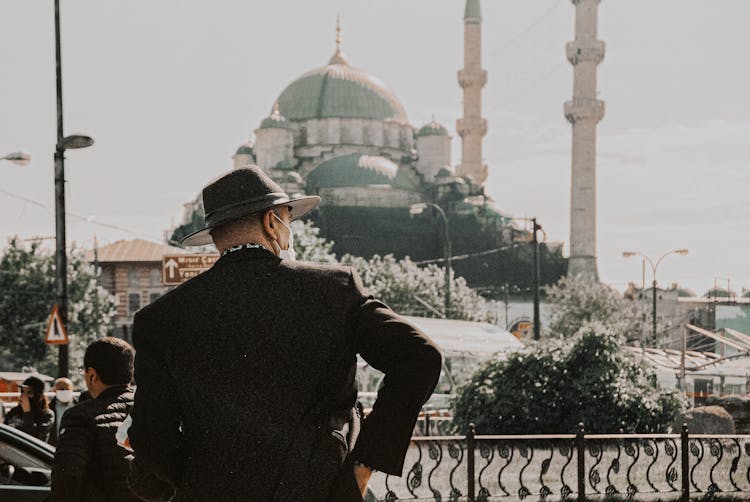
(64, 396)
(288, 253)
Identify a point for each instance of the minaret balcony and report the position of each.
(585, 51)
(468, 126)
(472, 78)
(580, 109)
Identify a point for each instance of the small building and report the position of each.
(131, 270)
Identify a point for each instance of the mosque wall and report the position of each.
(434, 153)
(242, 159)
(384, 196)
(273, 146)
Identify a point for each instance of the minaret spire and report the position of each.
(472, 78)
(338, 57)
(584, 112)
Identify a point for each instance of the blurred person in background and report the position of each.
(33, 414)
(64, 399)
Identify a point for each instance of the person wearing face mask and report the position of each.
(246, 373)
(64, 399)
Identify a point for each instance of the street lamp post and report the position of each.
(419, 209)
(654, 266)
(63, 143)
(537, 269)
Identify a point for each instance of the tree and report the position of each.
(27, 293)
(558, 384)
(575, 302)
(399, 283)
(308, 244)
(408, 289)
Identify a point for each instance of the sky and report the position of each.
(169, 89)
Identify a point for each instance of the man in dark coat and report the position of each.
(89, 465)
(246, 373)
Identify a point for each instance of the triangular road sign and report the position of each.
(56, 334)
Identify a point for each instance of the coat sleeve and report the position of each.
(155, 434)
(411, 363)
(74, 453)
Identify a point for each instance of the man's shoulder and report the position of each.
(81, 412)
(330, 270)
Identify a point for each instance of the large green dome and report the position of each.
(340, 91)
(357, 170)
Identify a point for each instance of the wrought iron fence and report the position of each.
(578, 466)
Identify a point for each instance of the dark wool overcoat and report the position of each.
(246, 378)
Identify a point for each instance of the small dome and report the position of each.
(293, 177)
(357, 170)
(433, 128)
(444, 172)
(276, 120)
(245, 148)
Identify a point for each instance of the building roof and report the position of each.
(433, 128)
(133, 250)
(245, 148)
(20, 376)
(473, 10)
(478, 339)
(339, 90)
(356, 170)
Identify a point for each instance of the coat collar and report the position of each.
(246, 251)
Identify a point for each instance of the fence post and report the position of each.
(470, 461)
(581, 449)
(427, 423)
(685, 463)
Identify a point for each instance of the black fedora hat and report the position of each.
(242, 192)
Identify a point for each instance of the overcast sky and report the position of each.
(168, 90)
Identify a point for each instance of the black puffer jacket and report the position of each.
(36, 423)
(89, 464)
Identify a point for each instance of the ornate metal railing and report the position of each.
(578, 466)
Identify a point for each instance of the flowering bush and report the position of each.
(557, 384)
(403, 285)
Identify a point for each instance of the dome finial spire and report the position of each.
(338, 33)
(338, 57)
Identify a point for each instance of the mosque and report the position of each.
(341, 133)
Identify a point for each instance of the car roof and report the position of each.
(21, 438)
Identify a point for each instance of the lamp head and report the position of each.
(682, 252)
(20, 158)
(76, 141)
(628, 254)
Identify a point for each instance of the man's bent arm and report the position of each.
(72, 458)
(411, 363)
(155, 434)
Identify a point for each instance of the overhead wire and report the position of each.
(523, 32)
(85, 219)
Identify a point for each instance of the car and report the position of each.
(25, 466)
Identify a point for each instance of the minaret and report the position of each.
(584, 112)
(472, 127)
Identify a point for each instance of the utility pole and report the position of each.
(683, 383)
(653, 310)
(419, 208)
(63, 143)
(61, 258)
(535, 285)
